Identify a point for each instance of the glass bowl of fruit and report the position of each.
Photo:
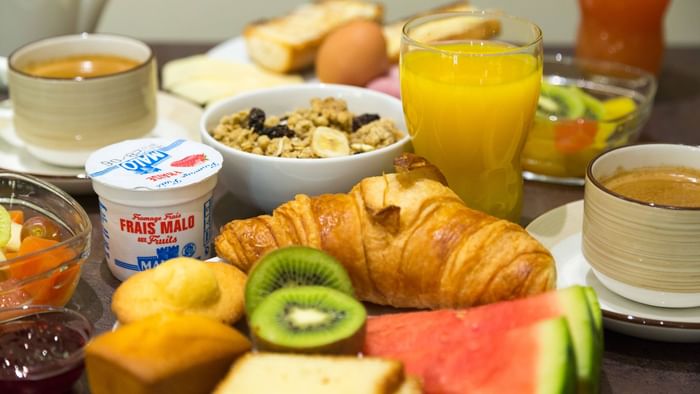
(585, 108)
(44, 240)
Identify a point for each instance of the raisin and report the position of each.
(278, 131)
(359, 121)
(256, 120)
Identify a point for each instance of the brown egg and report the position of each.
(353, 54)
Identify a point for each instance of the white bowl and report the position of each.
(266, 182)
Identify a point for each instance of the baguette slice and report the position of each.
(262, 373)
(289, 43)
(446, 29)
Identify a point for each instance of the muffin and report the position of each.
(182, 285)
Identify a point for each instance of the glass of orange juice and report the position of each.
(469, 100)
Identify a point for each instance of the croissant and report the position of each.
(405, 239)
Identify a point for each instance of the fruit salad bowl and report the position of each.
(585, 108)
(265, 181)
(45, 238)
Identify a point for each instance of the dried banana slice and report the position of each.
(328, 142)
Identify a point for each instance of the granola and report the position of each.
(326, 129)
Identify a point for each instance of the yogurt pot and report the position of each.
(155, 198)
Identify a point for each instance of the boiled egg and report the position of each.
(353, 54)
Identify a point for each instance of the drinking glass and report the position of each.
(469, 101)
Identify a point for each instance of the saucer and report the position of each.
(177, 118)
(560, 231)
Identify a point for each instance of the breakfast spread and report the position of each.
(297, 374)
(155, 201)
(405, 239)
(164, 353)
(326, 129)
(183, 285)
(308, 298)
(291, 42)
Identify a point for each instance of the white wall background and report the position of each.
(217, 20)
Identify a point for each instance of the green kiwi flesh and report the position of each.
(568, 102)
(294, 266)
(309, 319)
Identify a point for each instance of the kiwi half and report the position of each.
(309, 319)
(294, 266)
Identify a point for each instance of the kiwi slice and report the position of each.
(594, 108)
(559, 101)
(309, 319)
(294, 266)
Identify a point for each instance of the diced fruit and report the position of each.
(42, 227)
(17, 215)
(5, 222)
(571, 136)
(442, 330)
(559, 101)
(618, 107)
(15, 238)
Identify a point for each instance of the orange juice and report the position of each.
(468, 107)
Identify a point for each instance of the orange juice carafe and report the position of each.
(624, 31)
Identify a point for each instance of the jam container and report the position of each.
(155, 198)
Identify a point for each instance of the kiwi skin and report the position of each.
(294, 266)
(272, 310)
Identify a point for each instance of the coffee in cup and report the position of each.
(74, 94)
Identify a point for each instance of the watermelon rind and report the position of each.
(584, 336)
(556, 366)
(594, 307)
(597, 316)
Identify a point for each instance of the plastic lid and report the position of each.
(153, 164)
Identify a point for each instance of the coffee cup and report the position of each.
(641, 224)
(74, 94)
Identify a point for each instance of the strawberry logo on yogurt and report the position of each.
(190, 161)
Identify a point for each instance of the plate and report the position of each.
(560, 231)
(177, 118)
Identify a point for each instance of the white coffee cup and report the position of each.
(62, 121)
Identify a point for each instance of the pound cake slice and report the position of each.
(262, 373)
(289, 43)
(163, 354)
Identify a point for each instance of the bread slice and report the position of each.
(163, 354)
(410, 386)
(446, 29)
(262, 373)
(289, 43)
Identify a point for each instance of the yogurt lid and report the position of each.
(153, 164)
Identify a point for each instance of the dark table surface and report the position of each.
(630, 365)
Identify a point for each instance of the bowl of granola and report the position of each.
(310, 139)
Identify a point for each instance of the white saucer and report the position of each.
(176, 118)
(560, 231)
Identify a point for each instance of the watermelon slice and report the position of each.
(453, 331)
(535, 358)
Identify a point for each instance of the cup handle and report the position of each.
(3, 71)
